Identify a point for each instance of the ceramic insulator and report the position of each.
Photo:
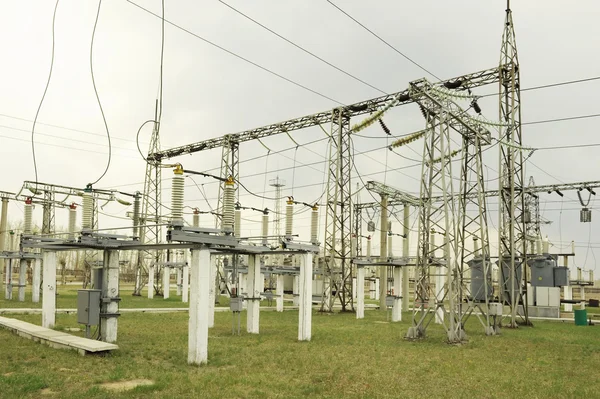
(177, 197)
(28, 219)
(314, 225)
(289, 219)
(88, 211)
(228, 207)
(72, 222)
(237, 223)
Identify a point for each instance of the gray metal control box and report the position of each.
(561, 276)
(236, 304)
(88, 307)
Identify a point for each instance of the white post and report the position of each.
(252, 322)
(110, 293)
(305, 311)
(35, 283)
(49, 291)
(360, 292)
(568, 293)
(377, 285)
(354, 288)
(22, 279)
(582, 296)
(279, 292)
(150, 281)
(211, 291)
(8, 277)
(439, 292)
(166, 282)
(397, 308)
(405, 250)
(296, 291)
(185, 285)
(178, 280)
(198, 322)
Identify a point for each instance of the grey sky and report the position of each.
(209, 93)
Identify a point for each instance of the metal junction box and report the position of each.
(88, 307)
(561, 276)
(236, 304)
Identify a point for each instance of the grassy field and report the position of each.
(347, 358)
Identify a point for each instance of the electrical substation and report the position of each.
(433, 255)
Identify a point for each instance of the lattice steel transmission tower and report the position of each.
(511, 229)
(338, 219)
(230, 167)
(531, 215)
(150, 217)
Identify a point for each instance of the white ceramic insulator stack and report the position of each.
(546, 246)
(368, 247)
(196, 220)
(28, 219)
(136, 215)
(237, 223)
(72, 222)
(314, 226)
(289, 219)
(228, 207)
(88, 211)
(389, 246)
(476, 246)
(177, 197)
(265, 227)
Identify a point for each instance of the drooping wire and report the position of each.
(43, 96)
(98, 97)
(162, 53)
(294, 170)
(266, 171)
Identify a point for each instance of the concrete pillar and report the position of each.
(253, 316)
(185, 283)
(198, 316)
(397, 308)
(110, 296)
(568, 294)
(305, 311)
(8, 280)
(3, 228)
(360, 292)
(377, 289)
(150, 281)
(582, 296)
(279, 292)
(296, 291)
(178, 280)
(35, 281)
(211, 291)
(166, 282)
(354, 294)
(49, 290)
(383, 275)
(22, 279)
(405, 250)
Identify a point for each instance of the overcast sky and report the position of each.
(208, 92)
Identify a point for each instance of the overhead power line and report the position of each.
(237, 55)
(570, 118)
(382, 40)
(302, 48)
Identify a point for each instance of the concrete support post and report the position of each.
(198, 316)
(150, 281)
(211, 291)
(185, 284)
(397, 308)
(166, 282)
(305, 311)
(360, 292)
(296, 291)
(383, 274)
(253, 316)
(49, 291)
(405, 250)
(178, 280)
(110, 296)
(22, 279)
(354, 293)
(279, 292)
(8, 280)
(35, 281)
(582, 296)
(377, 290)
(3, 228)
(568, 294)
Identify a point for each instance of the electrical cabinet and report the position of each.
(236, 304)
(88, 307)
(561, 276)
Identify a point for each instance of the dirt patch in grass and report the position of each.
(121, 386)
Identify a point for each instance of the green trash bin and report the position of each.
(581, 317)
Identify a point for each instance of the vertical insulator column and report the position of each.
(72, 220)
(476, 246)
(28, 218)
(314, 225)
(237, 222)
(177, 195)
(265, 227)
(369, 247)
(136, 214)
(289, 217)
(390, 253)
(228, 206)
(196, 218)
(88, 209)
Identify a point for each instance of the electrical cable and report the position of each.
(237, 55)
(43, 96)
(303, 49)
(381, 39)
(97, 96)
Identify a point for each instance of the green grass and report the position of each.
(347, 358)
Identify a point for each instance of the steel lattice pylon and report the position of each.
(531, 215)
(338, 219)
(150, 230)
(511, 229)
